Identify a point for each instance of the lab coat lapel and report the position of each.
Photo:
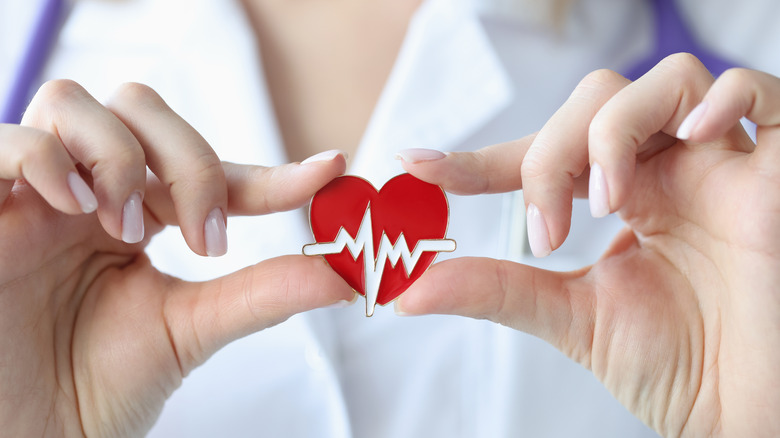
(241, 77)
(447, 83)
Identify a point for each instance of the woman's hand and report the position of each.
(680, 318)
(93, 338)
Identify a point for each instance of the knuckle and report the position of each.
(600, 130)
(535, 163)
(51, 99)
(682, 62)
(132, 154)
(736, 76)
(595, 90)
(38, 145)
(498, 309)
(42, 143)
(598, 79)
(480, 164)
(202, 170)
(60, 90)
(137, 94)
(605, 136)
(208, 166)
(125, 166)
(126, 161)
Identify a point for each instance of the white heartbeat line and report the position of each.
(374, 268)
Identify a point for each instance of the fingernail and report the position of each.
(133, 219)
(339, 304)
(538, 236)
(324, 156)
(419, 155)
(691, 121)
(216, 233)
(343, 303)
(83, 194)
(397, 309)
(598, 194)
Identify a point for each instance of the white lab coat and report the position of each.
(463, 79)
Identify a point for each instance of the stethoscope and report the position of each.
(671, 36)
(43, 36)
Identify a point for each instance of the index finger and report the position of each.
(656, 102)
(735, 94)
(256, 190)
(492, 169)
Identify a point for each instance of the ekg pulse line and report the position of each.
(374, 267)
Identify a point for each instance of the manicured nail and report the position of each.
(397, 309)
(215, 233)
(133, 219)
(689, 124)
(598, 193)
(324, 156)
(419, 155)
(339, 304)
(83, 194)
(343, 303)
(538, 236)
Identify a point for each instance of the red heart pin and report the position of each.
(402, 227)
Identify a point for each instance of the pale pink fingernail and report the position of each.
(397, 309)
(215, 232)
(691, 121)
(133, 219)
(419, 155)
(598, 193)
(324, 156)
(538, 235)
(83, 194)
(343, 303)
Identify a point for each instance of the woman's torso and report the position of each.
(461, 81)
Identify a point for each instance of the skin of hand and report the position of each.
(94, 338)
(680, 317)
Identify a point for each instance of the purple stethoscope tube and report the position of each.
(671, 36)
(34, 58)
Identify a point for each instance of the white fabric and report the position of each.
(462, 81)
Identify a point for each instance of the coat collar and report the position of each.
(446, 83)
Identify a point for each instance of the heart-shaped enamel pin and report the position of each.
(405, 220)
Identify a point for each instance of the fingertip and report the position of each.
(321, 167)
(538, 232)
(341, 304)
(419, 299)
(459, 173)
(460, 286)
(326, 288)
(408, 304)
(133, 219)
(598, 192)
(82, 193)
(692, 121)
(215, 233)
(419, 155)
(399, 309)
(326, 156)
(256, 190)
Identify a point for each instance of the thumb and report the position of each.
(204, 317)
(542, 303)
